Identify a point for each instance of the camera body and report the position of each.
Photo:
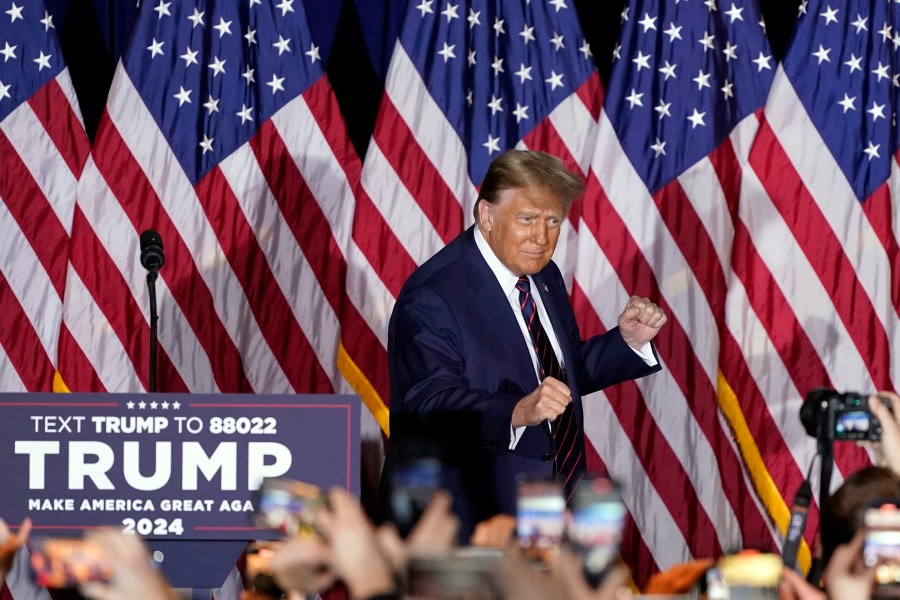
(840, 416)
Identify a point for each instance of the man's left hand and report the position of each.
(640, 321)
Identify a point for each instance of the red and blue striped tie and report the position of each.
(566, 433)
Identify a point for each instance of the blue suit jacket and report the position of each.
(456, 350)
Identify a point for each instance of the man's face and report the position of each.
(522, 227)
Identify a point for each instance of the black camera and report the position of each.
(840, 416)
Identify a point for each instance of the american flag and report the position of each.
(467, 80)
(658, 220)
(222, 133)
(43, 148)
(815, 294)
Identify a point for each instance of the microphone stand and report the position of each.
(151, 284)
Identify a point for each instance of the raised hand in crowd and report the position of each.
(10, 544)
(888, 454)
(846, 578)
(794, 587)
(563, 581)
(435, 533)
(497, 532)
(132, 574)
(349, 551)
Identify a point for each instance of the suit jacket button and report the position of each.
(546, 457)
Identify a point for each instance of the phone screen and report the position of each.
(595, 529)
(415, 480)
(540, 518)
(288, 506)
(881, 548)
(65, 563)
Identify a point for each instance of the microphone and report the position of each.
(152, 255)
(797, 525)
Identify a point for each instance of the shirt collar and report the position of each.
(507, 278)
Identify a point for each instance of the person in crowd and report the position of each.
(484, 350)
(10, 544)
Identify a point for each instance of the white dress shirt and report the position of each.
(508, 281)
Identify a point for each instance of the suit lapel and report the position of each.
(494, 306)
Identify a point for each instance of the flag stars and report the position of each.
(496, 105)
(648, 22)
(527, 34)
(668, 70)
(848, 103)
(313, 54)
(250, 36)
(524, 73)
(663, 109)
(697, 119)
(206, 145)
(634, 99)
(702, 80)
(585, 49)
(286, 6)
(877, 111)
(801, 10)
(730, 51)
(183, 96)
(896, 40)
(425, 8)
(283, 45)
(497, 66)
(47, 21)
(659, 148)
(734, 13)
(163, 9)
(617, 52)
(872, 151)
(248, 75)
(211, 105)
(473, 18)
(822, 54)
(886, 32)
(498, 26)
(196, 18)
(254, 2)
(707, 41)
(860, 23)
(155, 48)
(451, 12)
(42, 61)
(4, 90)
(492, 144)
(624, 16)
(245, 114)
(469, 97)
(557, 41)
(447, 52)
(217, 66)
(673, 32)
(555, 80)
(642, 60)
(521, 112)
(853, 63)
(8, 52)
(277, 84)
(15, 12)
(762, 62)
(727, 90)
(830, 15)
(223, 27)
(470, 58)
(189, 57)
(558, 4)
(711, 5)
(881, 72)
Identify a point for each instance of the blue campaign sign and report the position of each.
(167, 466)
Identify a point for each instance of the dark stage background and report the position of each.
(355, 38)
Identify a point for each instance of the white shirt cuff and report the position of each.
(646, 353)
(515, 434)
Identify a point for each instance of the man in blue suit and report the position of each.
(484, 350)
